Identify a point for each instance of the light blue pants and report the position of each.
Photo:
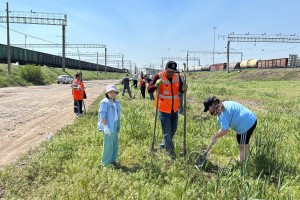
(110, 146)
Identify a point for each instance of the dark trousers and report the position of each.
(151, 96)
(128, 89)
(78, 106)
(143, 90)
(169, 123)
(135, 83)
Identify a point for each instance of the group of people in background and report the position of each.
(169, 87)
(144, 80)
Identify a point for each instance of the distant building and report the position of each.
(293, 60)
(150, 71)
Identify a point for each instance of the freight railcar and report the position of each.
(252, 63)
(26, 56)
(218, 67)
(273, 63)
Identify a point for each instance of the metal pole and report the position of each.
(214, 46)
(8, 44)
(63, 61)
(122, 62)
(184, 114)
(118, 69)
(105, 52)
(228, 46)
(130, 67)
(97, 63)
(79, 62)
(187, 60)
(25, 59)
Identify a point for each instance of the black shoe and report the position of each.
(116, 165)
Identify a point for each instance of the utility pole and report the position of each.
(25, 50)
(97, 63)
(8, 44)
(105, 58)
(214, 45)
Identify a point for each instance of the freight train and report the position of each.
(27, 56)
(253, 63)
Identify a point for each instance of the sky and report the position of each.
(145, 31)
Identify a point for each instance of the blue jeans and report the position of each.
(169, 127)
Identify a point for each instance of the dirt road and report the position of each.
(29, 114)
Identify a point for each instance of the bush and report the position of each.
(32, 74)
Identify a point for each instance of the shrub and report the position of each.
(32, 74)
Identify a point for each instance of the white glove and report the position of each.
(106, 130)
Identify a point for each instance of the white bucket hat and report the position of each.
(111, 88)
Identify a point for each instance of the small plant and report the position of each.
(32, 74)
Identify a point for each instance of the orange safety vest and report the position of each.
(78, 94)
(168, 93)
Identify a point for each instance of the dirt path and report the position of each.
(29, 114)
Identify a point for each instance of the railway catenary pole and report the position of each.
(228, 46)
(79, 63)
(118, 69)
(25, 51)
(123, 62)
(97, 63)
(63, 60)
(22, 17)
(105, 58)
(179, 59)
(8, 44)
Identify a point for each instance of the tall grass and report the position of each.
(67, 166)
(41, 75)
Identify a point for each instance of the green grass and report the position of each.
(67, 166)
(49, 75)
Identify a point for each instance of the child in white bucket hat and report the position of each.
(109, 124)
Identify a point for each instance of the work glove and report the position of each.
(106, 130)
(184, 87)
(158, 83)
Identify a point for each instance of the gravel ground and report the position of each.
(29, 114)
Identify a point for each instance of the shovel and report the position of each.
(202, 158)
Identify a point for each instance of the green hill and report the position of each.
(48, 75)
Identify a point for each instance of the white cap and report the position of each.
(111, 88)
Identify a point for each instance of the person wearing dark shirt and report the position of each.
(125, 83)
(170, 85)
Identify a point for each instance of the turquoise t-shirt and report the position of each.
(237, 117)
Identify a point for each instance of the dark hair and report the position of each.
(218, 106)
(106, 95)
(77, 74)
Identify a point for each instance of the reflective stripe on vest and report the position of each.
(168, 97)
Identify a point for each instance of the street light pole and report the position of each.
(214, 45)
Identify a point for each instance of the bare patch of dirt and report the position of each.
(29, 114)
